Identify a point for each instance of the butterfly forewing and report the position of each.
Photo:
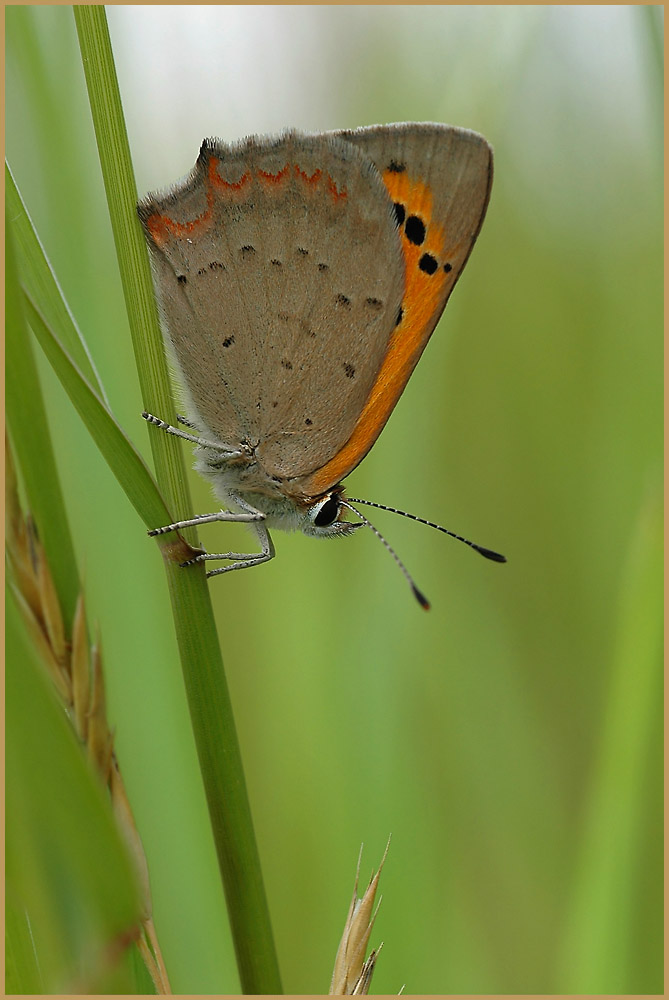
(438, 179)
(280, 267)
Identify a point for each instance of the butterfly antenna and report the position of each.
(487, 553)
(420, 597)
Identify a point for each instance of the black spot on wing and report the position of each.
(428, 263)
(400, 212)
(414, 228)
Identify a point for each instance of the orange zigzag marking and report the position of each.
(272, 179)
(162, 227)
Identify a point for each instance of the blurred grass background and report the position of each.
(511, 739)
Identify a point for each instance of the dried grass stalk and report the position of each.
(352, 972)
(77, 673)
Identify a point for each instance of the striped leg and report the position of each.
(243, 560)
(186, 422)
(223, 449)
(220, 515)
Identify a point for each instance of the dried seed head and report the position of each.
(126, 823)
(53, 619)
(80, 685)
(364, 979)
(100, 739)
(17, 544)
(80, 666)
(35, 629)
(352, 974)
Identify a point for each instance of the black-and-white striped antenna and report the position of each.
(420, 597)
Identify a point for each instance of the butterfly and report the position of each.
(299, 279)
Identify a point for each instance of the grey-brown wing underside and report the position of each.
(280, 275)
(438, 179)
(455, 164)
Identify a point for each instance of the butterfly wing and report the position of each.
(439, 180)
(280, 273)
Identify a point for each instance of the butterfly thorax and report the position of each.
(243, 477)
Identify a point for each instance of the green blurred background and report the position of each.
(510, 740)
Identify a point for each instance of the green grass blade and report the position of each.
(32, 441)
(124, 460)
(42, 285)
(46, 888)
(22, 973)
(598, 952)
(652, 26)
(121, 191)
(653, 18)
(204, 677)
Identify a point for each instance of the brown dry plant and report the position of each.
(75, 667)
(352, 972)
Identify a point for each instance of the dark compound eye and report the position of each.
(328, 513)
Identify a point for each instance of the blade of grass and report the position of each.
(123, 458)
(33, 927)
(206, 687)
(22, 971)
(42, 286)
(32, 440)
(652, 27)
(596, 953)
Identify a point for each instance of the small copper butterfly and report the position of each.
(299, 278)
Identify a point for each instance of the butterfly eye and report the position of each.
(326, 512)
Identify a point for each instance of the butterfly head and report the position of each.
(325, 516)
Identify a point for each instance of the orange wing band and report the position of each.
(428, 274)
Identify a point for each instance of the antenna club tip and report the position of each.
(421, 598)
(489, 554)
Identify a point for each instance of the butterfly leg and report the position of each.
(169, 429)
(244, 517)
(186, 422)
(243, 560)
